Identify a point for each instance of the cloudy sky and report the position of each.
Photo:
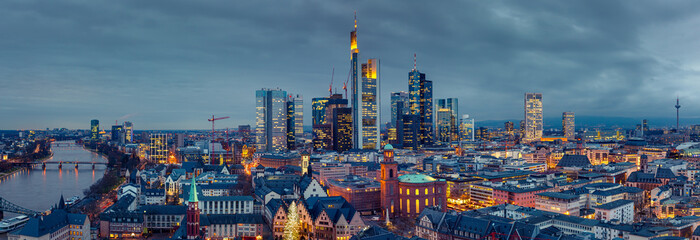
(172, 64)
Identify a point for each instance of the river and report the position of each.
(39, 189)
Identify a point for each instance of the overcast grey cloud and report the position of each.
(172, 64)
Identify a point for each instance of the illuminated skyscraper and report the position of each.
(443, 125)
(318, 110)
(408, 131)
(295, 118)
(467, 128)
(533, 117)
(298, 117)
(509, 128)
(450, 121)
(94, 129)
(342, 129)
(567, 125)
(128, 132)
(420, 95)
(370, 109)
(396, 110)
(271, 120)
(291, 135)
(118, 134)
(321, 130)
(482, 134)
(324, 120)
(158, 148)
(354, 51)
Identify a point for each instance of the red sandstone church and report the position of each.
(408, 195)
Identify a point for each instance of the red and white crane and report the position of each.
(213, 130)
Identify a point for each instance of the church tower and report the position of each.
(389, 183)
(193, 213)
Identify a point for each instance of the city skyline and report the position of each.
(173, 65)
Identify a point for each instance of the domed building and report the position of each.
(415, 191)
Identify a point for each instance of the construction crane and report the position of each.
(330, 87)
(345, 84)
(211, 145)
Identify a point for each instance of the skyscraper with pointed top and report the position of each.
(420, 98)
(193, 212)
(354, 51)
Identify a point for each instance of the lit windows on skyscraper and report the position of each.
(396, 110)
(291, 136)
(271, 120)
(298, 116)
(467, 128)
(449, 131)
(568, 126)
(342, 129)
(420, 95)
(128, 132)
(94, 130)
(443, 125)
(370, 113)
(158, 148)
(533, 117)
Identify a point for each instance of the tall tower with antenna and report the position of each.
(678, 106)
(354, 51)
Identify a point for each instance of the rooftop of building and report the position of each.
(558, 195)
(614, 204)
(416, 178)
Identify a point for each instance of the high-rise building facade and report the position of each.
(567, 125)
(271, 120)
(118, 134)
(318, 110)
(128, 132)
(324, 120)
(298, 117)
(509, 128)
(94, 129)
(408, 131)
(533, 117)
(443, 133)
(370, 107)
(449, 130)
(354, 61)
(482, 134)
(342, 129)
(396, 109)
(291, 135)
(420, 95)
(158, 148)
(467, 128)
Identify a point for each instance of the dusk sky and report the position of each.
(172, 64)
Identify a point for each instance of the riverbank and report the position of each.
(15, 170)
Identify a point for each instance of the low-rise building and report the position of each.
(620, 210)
(569, 204)
(363, 193)
(58, 225)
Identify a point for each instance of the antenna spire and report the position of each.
(414, 61)
(355, 20)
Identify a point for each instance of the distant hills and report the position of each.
(599, 121)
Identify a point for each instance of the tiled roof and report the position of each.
(558, 195)
(614, 204)
(574, 161)
(42, 225)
